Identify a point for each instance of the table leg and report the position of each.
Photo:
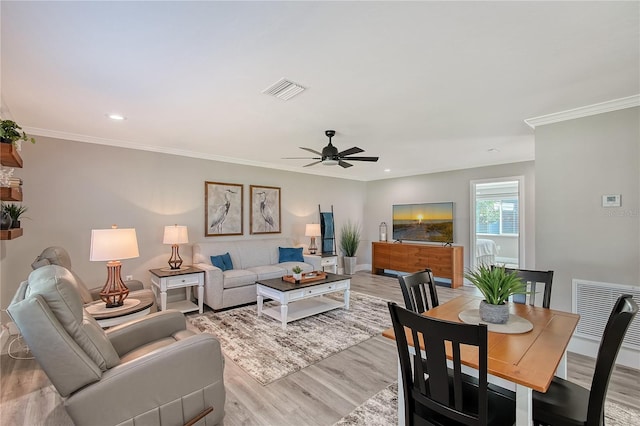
(283, 315)
(524, 405)
(346, 299)
(260, 300)
(163, 300)
(200, 298)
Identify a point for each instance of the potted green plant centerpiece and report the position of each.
(349, 242)
(496, 285)
(297, 273)
(15, 211)
(10, 132)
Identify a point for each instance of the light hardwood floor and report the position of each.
(320, 394)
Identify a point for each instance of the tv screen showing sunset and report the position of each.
(431, 222)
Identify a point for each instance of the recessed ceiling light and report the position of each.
(387, 170)
(117, 117)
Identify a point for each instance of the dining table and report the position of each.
(526, 361)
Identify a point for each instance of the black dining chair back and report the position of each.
(534, 280)
(435, 394)
(566, 403)
(414, 290)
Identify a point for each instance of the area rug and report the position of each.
(267, 353)
(382, 409)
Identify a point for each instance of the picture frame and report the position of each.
(265, 217)
(223, 209)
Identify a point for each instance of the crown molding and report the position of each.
(35, 131)
(602, 107)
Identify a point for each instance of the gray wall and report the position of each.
(71, 188)
(447, 186)
(577, 162)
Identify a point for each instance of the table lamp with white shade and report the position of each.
(113, 245)
(175, 235)
(312, 230)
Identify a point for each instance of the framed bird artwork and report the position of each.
(222, 209)
(265, 210)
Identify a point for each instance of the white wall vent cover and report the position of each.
(593, 301)
(284, 89)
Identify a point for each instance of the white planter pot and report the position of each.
(349, 265)
(297, 277)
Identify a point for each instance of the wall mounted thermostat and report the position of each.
(611, 200)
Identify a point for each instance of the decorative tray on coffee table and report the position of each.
(308, 277)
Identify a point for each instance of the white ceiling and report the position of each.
(426, 86)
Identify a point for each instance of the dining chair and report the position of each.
(435, 394)
(414, 291)
(533, 279)
(566, 403)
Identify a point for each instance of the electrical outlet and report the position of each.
(129, 277)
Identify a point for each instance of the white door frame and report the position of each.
(521, 217)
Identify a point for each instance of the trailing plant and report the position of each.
(296, 269)
(10, 132)
(14, 210)
(350, 238)
(496, 284)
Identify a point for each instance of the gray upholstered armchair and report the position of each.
(150, 371)
(59, 256)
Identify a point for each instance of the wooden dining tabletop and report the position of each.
(529, 359)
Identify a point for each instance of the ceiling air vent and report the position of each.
(284, 89)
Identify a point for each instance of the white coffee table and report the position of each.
(301, 300)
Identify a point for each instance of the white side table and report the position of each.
(165, 279)
(328, 262)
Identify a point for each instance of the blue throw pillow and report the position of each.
(223, 261)
(290, 254)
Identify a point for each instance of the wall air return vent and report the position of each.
(284, 89)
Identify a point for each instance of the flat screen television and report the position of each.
(429, 222)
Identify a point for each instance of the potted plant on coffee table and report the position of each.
(349, 242)
(297, 273)
(496, 285)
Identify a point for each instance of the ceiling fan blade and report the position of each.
(312, 150)
(350, 151)
(362, 158)
(301, 158)
(312, 164)
(344, 164)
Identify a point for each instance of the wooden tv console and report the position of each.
(444, 262)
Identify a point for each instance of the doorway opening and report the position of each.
(497, 218)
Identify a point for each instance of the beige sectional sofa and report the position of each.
(253, 259)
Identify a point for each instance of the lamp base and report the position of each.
(114, 291)
(175, 261)
(312, 247)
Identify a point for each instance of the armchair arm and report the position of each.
(213, 285)
(167, 386)
(132, 285)
(313, 260)
(133, 334)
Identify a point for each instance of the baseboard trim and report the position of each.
(627, 357)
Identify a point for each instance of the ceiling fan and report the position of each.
(330, 155)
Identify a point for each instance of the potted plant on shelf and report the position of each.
(15, 211)
(496, 285)
(349, 242)
(10, 132)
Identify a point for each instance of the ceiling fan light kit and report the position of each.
(330, 155)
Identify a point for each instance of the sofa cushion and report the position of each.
(268, 271)
(238, 278)
(222, 261)
(290, 254)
